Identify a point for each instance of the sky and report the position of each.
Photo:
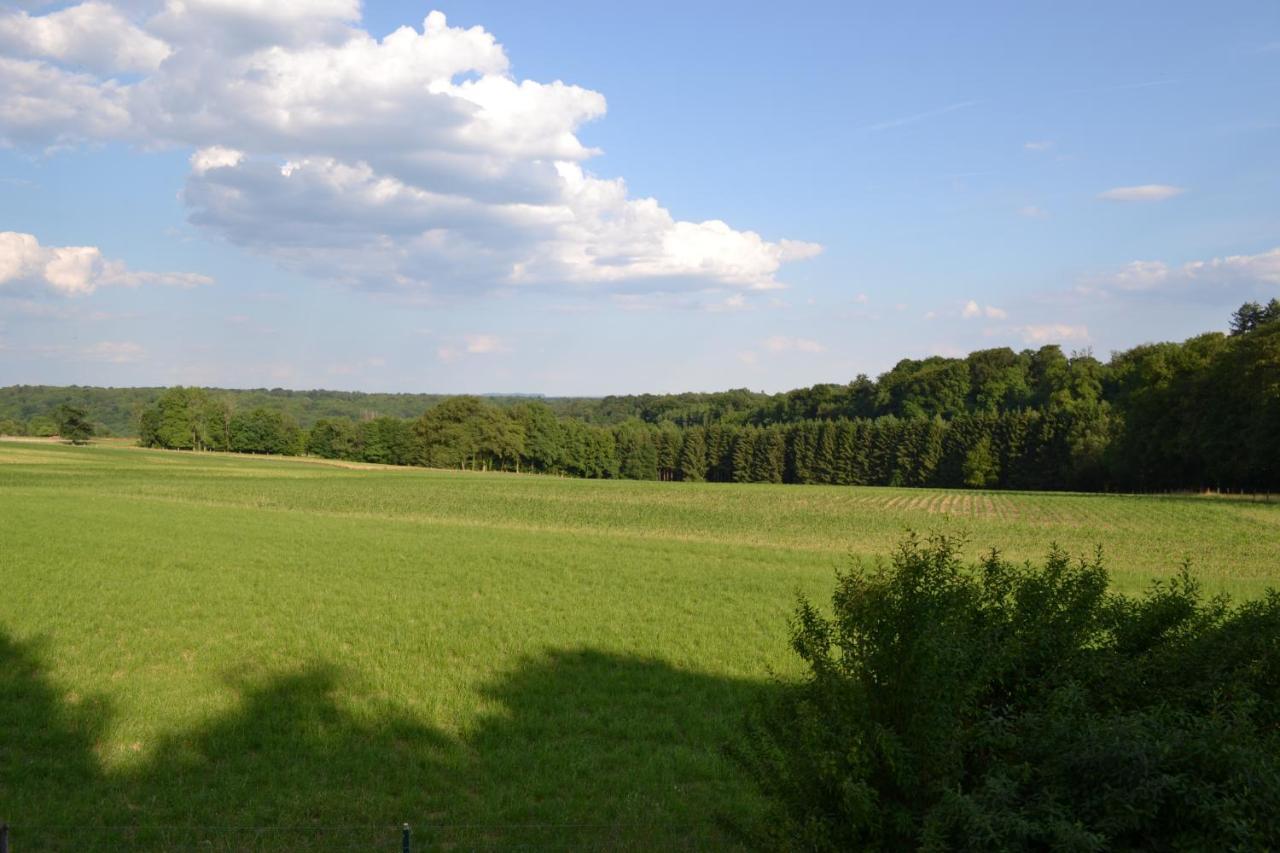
(584, 198)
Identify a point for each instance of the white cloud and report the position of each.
(43, 105)
(1260, 269)
(93, 35)
(115, 352)
(74, 270)
(782, 343)
(1263, 267)
(215, 157)
(1145, 192)
(416, 162)
(475, 344)
(1050, 333)
(972, 310)
(1030, 211)
(1038, 145)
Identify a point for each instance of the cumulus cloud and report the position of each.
(215, 157)
(414, 162)
(74, 270)
(92, 35)
(972, 310)
(1232, 270)
(1145, 192)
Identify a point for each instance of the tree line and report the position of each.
(1026, 450)
(1202, 414)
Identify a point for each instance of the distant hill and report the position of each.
(116, 409)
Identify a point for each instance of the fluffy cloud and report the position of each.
(1135, 276)
(1145, 192)
(74, 270)
(92, 35)
(415, 162)
(973, 310)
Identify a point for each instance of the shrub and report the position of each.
(1003, 706)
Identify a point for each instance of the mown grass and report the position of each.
(200, 645)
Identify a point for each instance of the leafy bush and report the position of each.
(1003, 706)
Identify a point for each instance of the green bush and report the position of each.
(1003, 706)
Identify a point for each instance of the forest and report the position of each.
(1202, 414)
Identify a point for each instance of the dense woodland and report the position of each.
(1202, 414)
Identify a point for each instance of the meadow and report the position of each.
(245, 653)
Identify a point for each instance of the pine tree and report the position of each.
(770, 460)
(744, 447)
(693, 455)
(824, 454)
(846, 453)
(667, 441)
(802, 439)
(882, 451)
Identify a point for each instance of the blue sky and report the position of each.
(243, 193)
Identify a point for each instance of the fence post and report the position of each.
(405, 846)
(4, 837)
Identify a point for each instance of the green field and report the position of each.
(205, 646)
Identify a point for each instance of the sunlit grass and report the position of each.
(214, 640)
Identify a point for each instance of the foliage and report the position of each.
(1197, 415)
(1008, 706)
(1251, 315)
(73, 424)
(980, 467)
(231, 640)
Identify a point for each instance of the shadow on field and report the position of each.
(589, 750)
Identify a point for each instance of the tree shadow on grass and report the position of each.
(590, 750)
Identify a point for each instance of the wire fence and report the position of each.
(404, 838)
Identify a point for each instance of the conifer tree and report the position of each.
(693, 455)
(824, 454)
(744, 447)
(769, 464)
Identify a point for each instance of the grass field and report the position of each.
(204, 646)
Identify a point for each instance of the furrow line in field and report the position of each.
(736, 540)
